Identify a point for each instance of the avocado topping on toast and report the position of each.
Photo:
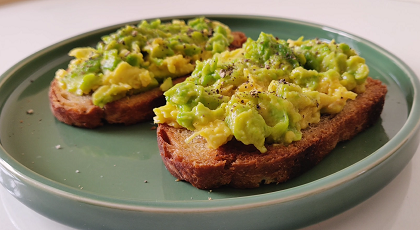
(265, 92)
(138, 58)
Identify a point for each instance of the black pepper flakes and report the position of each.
(254, 93)
(222, 73)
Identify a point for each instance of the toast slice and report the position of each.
(243, 166)
(80, 110)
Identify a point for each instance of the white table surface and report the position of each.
(28, 26)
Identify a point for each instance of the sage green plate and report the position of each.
(96, 179)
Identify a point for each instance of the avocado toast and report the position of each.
(265, 113)
(123, 78)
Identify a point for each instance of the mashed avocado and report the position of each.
(265, 92)
(137, 58)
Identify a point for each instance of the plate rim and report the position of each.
(347, 174)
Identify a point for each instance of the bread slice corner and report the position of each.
(80, 111)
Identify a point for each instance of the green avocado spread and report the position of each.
(137, 58)
(266, 92)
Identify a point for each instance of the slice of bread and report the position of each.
(80, 111)
(243, 166)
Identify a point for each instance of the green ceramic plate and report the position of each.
(96, 179)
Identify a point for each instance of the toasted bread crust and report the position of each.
(80, 111)
(241, 166)
(72, 109)
(239, 38)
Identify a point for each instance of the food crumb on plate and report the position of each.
(30, 111)
(77, 171)
(58, 147)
